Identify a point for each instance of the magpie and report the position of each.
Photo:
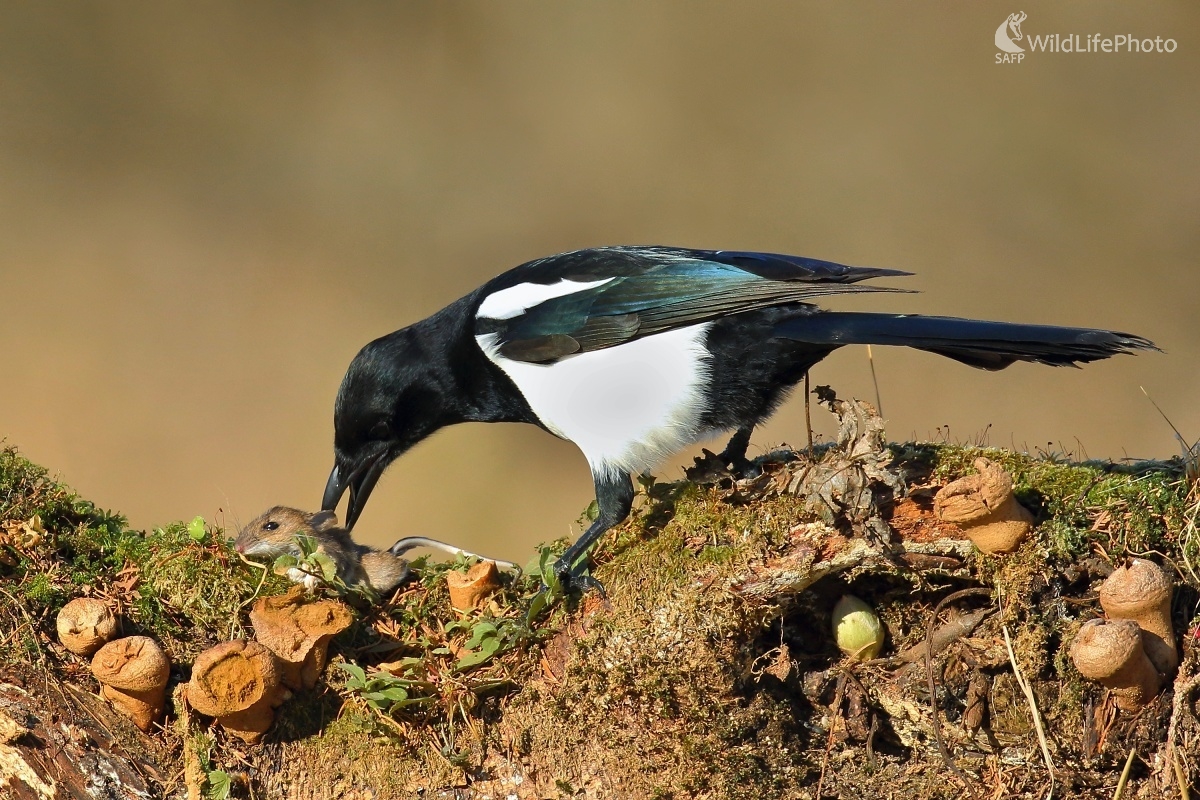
(633, 353)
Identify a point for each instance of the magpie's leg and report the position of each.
(614, 498)
(734, 453)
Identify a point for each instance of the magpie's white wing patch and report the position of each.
(626, 407)
(515, 300)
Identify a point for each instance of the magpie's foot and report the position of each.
(741, 467)
(744, 468)
(712, 468)
(577, 580)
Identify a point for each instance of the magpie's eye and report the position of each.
(381, 431)
(270, 526)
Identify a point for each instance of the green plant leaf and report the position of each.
(478, 633)
(325, 564)
(356, 672)
(486, 650)
(196, 530)
(307, 545)
(218, 784)
(285, 562)
(536, 605)
(394, 694)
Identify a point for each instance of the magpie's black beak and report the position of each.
(334, 488)
(361, 480)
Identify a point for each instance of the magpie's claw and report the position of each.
(743, 468)
(584, 583)
(577, 579)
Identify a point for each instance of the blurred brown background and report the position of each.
(206, 209)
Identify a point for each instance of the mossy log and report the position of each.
(709, 672)
(57, 740)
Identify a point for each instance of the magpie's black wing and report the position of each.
(633, 292)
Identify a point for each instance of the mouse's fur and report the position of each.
(274, 534)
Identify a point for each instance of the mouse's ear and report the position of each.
(324, 520)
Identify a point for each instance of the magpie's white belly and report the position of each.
(626, 407)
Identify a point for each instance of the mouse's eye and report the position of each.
(381, 430)
(270, 526)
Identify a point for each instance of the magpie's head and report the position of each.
(385, 405)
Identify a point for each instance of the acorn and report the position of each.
(857, 628)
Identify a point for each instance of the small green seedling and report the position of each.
(312, 561)
(196, 529)
(219, 783)
(551, 592)
(384, 691)
(485, 641)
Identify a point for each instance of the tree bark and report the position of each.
(60, 741)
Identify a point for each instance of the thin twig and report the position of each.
(871, 763)
(1166, 419)
(937, 723)
(874, 380)
(834, 712)
(808, 412)
(1125, 774)
(1184, 686)
(1180, 778)
(1029, 697)
(263, 579)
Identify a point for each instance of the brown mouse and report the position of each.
(274, 534)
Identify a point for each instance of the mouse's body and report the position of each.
(274, 534)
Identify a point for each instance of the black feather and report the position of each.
(979, 343)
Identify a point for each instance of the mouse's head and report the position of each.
(274, 532)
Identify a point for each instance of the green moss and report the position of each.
(1123, 508)
(351, 748)
(26, 489)
(40, 590)
(185, 593)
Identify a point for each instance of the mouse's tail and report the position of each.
(410, 542)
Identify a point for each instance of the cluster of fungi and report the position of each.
(1131, 651)
(238, 683)
(133, 670)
